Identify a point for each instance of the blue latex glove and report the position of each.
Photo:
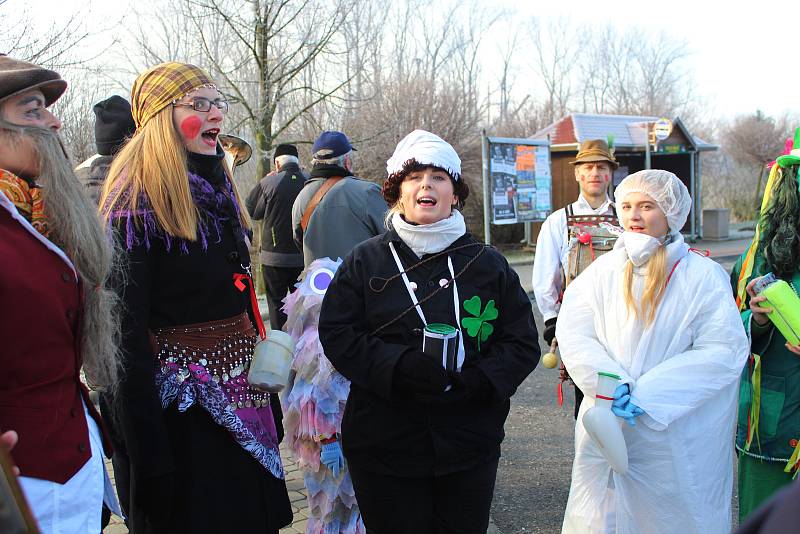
(623, 407)
(629, 413)
(621, 395)
(331, 455)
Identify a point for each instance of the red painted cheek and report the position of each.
(191, 127)
(605, 177)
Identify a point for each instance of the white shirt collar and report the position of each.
(582, 205)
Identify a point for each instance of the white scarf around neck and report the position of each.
(430, 238)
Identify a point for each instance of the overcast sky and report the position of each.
(735, 45)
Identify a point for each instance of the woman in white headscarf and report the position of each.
(663, 319)
(421, 432)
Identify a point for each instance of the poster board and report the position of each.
(520, 180)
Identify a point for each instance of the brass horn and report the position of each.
(237, 150)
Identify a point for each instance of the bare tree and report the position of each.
(61, 46)
(263, 53)
(753, 141)
(557, 45)
(52, 45)
(263, 50)
(635, 73)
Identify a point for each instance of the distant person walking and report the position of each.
(271, 201)
(333, 213)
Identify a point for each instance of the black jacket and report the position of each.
(158, 288)
(389, 432)
(271, 200)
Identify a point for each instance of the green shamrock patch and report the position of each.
(479, 326)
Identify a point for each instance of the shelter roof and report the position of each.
(629, 131)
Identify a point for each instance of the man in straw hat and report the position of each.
(56, 260)
(594, 167)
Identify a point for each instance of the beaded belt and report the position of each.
(218, 351)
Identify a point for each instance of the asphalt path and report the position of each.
(534, 473)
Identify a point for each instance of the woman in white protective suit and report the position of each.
(662, 318)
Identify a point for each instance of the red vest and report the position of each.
(41, 396)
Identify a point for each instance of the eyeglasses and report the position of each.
(200, 103)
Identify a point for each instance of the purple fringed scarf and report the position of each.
(141, 225)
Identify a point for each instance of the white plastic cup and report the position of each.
(606, 386)
(272, 361)
(604, 427)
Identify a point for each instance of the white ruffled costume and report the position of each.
(313, 404)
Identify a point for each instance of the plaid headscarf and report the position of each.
(163, 84)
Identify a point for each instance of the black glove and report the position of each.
(468, 385)
(473, 382)
(549, 331)
(417, 372)
(154, 496)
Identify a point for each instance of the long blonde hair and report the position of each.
(655, 282)
(153, 162)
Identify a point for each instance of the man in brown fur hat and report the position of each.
(56, 315)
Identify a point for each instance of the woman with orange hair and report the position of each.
(202, 445)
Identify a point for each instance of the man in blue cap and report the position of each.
(335, 211)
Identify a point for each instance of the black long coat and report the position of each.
(387, 432)
(218, 486)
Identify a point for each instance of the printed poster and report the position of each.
(521, 182)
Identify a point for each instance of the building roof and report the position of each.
(628, 130)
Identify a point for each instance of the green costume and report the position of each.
(771, 382)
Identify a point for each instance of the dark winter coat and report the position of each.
(212, 484)
(389, 432)
(271, 200)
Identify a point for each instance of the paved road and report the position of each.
(534, 473)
